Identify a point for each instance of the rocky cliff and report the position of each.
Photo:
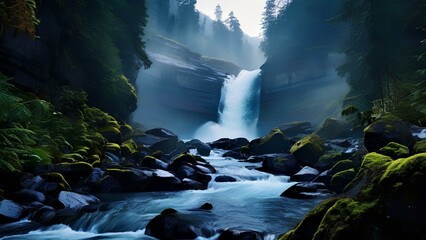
(182, 89)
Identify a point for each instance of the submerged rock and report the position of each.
(76, 200)
(223, 178)
(170, 225)
(237, 234)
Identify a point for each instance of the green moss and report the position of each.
(348, 219)
(341, 166)
(375, 162)
(411, 170)
(420, 147)
(308, 150)
(96, 164)
(309, 225)
(328, 160)
(9, 162)
(113, 147)
(274, 142)
(71, 157)
(126, 130)
(395, 150)
(341, 179)
(128, 148)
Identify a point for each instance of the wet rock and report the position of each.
(235, 154)
(72, 172)
(108, 184)
(154, 163)
(31, 182)
(164, 181)
(308, 150)
(279, 164)
(27, 196)
(274, 142)
(44, 214)
(229, 144)
(95, 176)
(295, 129)
(163, 133)
(76, 200)
(170, 225)
(130, 179)
(192, 184)
(158, 140)
(387, 130)
(202, 148)
(324, 177)
(306, 174)
(305, 190)
(10, 211)
(328, 160)
(223, 178)
(206, 206)
(341, 166)
(235, 234)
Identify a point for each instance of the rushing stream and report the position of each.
(252, 202)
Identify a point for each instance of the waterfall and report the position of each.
(238, 109)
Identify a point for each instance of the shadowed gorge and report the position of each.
(181, 119)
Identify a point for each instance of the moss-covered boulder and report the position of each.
(55, 177)
(341, 179)
(308, 150)
(395, 150)
(112, 134)
(419, 147)
(386, 130)
(328, 160)
(128, 148)
(309, 225)
(274, 142)
(341, 166)
(280, 164)
(385, 201)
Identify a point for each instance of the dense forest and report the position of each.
(341, 93)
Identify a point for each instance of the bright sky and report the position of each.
(249, 12)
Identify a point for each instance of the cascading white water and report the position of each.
(238, 109)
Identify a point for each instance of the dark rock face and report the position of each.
(279, 164)
(173, 86)
(235, 155)
(333, 128)
(43, 215)
(27, 196)
(158, 139)
(384, 131)
(229, 144)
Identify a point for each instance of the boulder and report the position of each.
(43, 215)
(279, 164)
(53, 182)
(306, 174)
(341, 179)
(305, 190)
(130, 179)
(324, 177)
(328, 160)
(206, 206)
(419, 147)
(237, 234)
(72, 172)
(164, 181)
(75, 200)
(112, 134)
(153, 163)
(395, 150)
(10, 211)
(333, 128)
(341, 166)
(308, 150)
(235, 154)
(157, 140)
(170, 225)
(274, 142)
(229, 144)
(202, 148)
(192, 184)
(295, 129)
(163, 133)
(128, 148)
(27, 196)
(31, 182)
(387, 130)
(223, 178)
(108, 184)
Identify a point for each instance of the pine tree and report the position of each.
(218, 13)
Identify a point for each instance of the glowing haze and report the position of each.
(249, 12)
